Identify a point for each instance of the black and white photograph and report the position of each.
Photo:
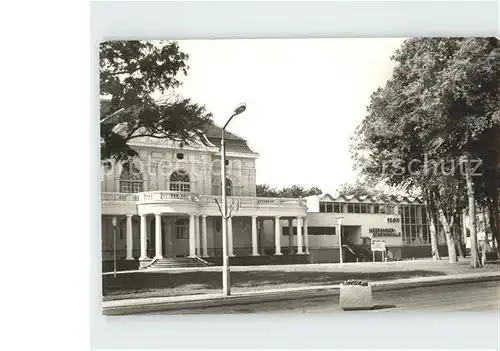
(332, 175)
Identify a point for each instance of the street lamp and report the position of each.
(226, 285)
(114, 246)
(339, 229)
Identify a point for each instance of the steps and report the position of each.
(179, 262)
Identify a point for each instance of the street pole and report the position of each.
(339, 226)
(226, 285)
(114, 247)
(226, 278)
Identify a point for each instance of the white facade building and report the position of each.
(166, 202)
(166, 206)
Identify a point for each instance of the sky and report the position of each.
(304, 99)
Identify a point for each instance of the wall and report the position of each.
(363, 221)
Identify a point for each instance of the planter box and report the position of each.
(355, 297)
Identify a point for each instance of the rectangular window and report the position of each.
(185, 187)
(376, 208)
(350, 208)
(337, 207)
(356, 208)
(137, 187)
(322, 207)
(125, 187)
(182, 233)
(329, 207)
(174, 187)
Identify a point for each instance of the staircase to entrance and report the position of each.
(178, 262)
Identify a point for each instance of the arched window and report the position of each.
(179, 181)
(131, 179)
(182, 228)
(217, 187)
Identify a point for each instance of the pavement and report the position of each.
(466, 297)
(177, 303)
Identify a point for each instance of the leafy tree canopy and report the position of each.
(131, 74)
(295, 191)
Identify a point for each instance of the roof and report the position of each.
(353, 198)
(234, 143)
(210, 135)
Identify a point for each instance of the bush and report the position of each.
(355, 282)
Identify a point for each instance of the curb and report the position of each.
(312, 292)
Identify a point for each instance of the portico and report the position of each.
(167, 235)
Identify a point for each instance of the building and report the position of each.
(400, 222)
(163, 209)
(165, 204)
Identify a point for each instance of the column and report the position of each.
(255, 248)
(197, 234)
(277, 235)
(290, 236)
(192, 236)
(204, 236)
(129, 238)
(158, 242)
(306, 236)
(299, 236)
(230, 252)
(144, 238)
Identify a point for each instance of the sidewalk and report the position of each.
(143, 305)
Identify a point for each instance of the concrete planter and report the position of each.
(355, 297)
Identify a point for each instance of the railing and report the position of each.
(119, 197)
(169, 195)
(241, 201)
(252, 202)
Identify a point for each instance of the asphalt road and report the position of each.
(475, 297)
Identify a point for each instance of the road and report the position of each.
(476, 297)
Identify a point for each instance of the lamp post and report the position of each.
(339, 229)
(114, 246)
(226, 285)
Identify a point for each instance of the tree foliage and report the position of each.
(295, 191)
(435, 114)
(131, 73)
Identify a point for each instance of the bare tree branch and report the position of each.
(220, 209)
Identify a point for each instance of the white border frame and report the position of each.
(198, 20)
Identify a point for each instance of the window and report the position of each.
(311, 230)
(329, 207)
(322, 207)
(131, 179)
(376, 208)
(414, 225)
(338, 207)
(182, 229)
(217, 188)
(350, 208)
(179, 181)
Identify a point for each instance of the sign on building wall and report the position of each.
(378, 245)
(380, 232)
(393, 219)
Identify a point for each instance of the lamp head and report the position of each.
(240, 109)
(114, 221)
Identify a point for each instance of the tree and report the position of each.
(443, 95)
(360, 188)
(131, 72)
(264, 190)
(295, 191)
